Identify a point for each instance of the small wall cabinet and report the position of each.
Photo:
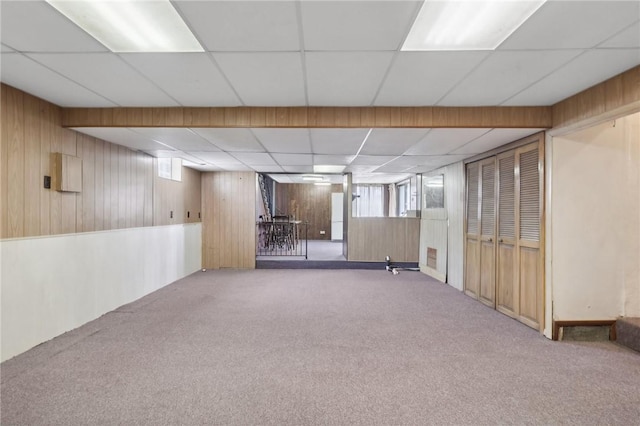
(66, 172)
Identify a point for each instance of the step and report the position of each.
(628, 332)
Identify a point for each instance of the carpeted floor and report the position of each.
(311, 347)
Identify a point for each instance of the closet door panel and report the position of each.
(472, 234)
(487, 232)
(506, 277)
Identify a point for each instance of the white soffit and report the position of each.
(391, 141)
(586, 70)
(260, 79)
(293, 159)
(284, 140)
(179, 138)
(445, 68)
(231, 139)
(629, 37)
(20, 71)
(345, 78)
(202, 83)
(493, 139)
(443, 141)
(96, 72)
(124, 137)
(35, 26)
(337, 141)
(506, 73)
(243, 26)
(254, 158)
(573, 24)
(356, 25)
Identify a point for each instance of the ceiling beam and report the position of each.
(312, 117)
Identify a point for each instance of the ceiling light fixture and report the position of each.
(322, 183)
(467, 25)
(131, 25)
(313, 178)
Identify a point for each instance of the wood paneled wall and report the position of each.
(307, 202)
(119, 186)
(177, 202)
(371, 239)
(229, 220)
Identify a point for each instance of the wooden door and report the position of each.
(487, 231)
(506, 280)
(529, 222)
(472, 232)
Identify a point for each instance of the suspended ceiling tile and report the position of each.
(268, 169)
(107, 75)
(25, 74)
(254, 158)
(494, 139)
(356, 25)
(237, 168)
(444, 141)
(192, 79)
(380, 178)
(359, 169)
(573, 24)
(124, 137)
(391, 141)
(505, 73)
(337, 141)
(35, 26)
(372, 160)
(243, 25)
(436, 162)
(178, 138)
(345, 78)
(422, 78)
(284, 140)
(339, 160)
(218, 158)
(584, 71)
(163, 153)
(298, 169)
(4, 48)
(231, 139)
(293, 159)
(629, 37)
(261, 79)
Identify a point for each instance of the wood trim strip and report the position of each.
(314, 117)
(584, 323)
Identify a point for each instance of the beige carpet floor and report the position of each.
(316, 347)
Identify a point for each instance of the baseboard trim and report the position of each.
(557, 325)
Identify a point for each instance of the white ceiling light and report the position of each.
(467, 25)
(313, 178)
(322, 183)
(328, 169)
(131, 25)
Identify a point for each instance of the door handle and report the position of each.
(501, 240)
(490, 240)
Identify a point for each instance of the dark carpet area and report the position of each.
(316, 347)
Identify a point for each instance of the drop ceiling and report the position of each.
(317, 53)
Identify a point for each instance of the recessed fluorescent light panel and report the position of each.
(328, 168)
(467, 25)
(131, 25)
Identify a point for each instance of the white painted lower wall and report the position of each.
(53, 284)
(594, 235)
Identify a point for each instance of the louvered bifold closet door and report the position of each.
(506, 289)
(529, 218)
(487, 231)
(472, 227)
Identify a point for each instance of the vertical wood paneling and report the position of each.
(15, 166)
(228, 219)
(309, 203)
(46, 135)
(118, 184)
(371, 239)
(31, 166)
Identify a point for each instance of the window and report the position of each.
(368, 200)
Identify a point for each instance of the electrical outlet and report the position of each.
(322, 232)
(171, 214)
(47, 182)
(188, 214)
